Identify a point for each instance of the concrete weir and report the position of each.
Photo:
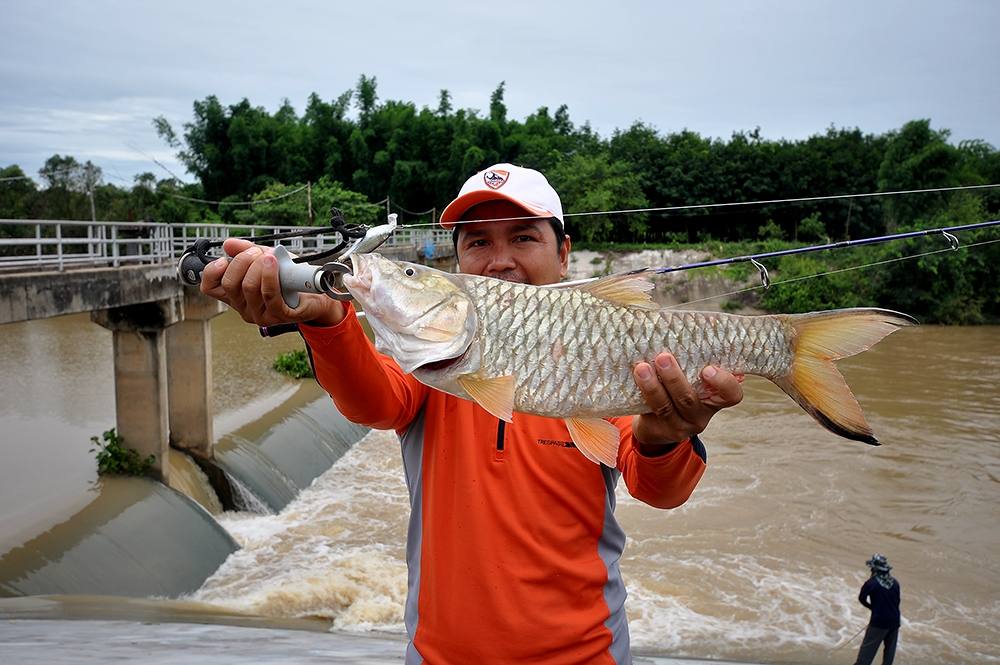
(158, 404)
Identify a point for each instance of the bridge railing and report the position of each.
(62, 244)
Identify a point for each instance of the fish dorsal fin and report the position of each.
(597, 439)
(495, 395)
(630, 288)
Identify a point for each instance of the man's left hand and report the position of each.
(676, 410)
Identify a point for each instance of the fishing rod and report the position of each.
(946, 231)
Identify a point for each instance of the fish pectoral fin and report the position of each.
(597, 439)
(495, 395)
(630, 289)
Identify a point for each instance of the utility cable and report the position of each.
(237, 203)
(410, 212)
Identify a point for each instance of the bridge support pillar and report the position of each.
(189, 375)
(141, 395)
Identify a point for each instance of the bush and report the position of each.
(113, 458)
(770, 231)
(812, 228)
(295, 364)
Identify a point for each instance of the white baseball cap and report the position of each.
(523, 187)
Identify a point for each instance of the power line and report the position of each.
(155, 161)
(415, 214)
(236, 203)
(47, 173)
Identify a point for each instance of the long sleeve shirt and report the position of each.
(512, 547)
(884, 603)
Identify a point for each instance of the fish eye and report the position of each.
(410, 272)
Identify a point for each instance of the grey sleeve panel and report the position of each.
(412, 443)
(610, 548)
(699, 448)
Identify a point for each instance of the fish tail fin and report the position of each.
(815, 383)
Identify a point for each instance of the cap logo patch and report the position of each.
(496, 178)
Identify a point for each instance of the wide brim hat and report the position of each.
(879, 563)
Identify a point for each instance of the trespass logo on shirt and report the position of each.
(555, 442)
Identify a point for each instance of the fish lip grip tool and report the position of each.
(295, 278)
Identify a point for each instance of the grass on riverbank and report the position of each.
(295, 364)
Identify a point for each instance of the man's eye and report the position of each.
(524, 239)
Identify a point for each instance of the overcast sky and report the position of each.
(86, 78)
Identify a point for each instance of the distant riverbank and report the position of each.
(708, 289)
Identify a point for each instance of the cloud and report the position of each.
(87, 79)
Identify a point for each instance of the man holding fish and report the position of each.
(513, 546)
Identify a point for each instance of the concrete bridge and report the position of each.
(124, 274)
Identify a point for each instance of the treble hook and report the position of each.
(765, 279)
(952, 240)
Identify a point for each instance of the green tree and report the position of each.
(811, 229)
(280, 207)
(590, 183)
(917, 157)
(367, 96)
(17, 193)
(498, 110)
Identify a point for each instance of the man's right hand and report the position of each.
(249, 284)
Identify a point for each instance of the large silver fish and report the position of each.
(569, 352)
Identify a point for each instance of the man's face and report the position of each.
(518, 250)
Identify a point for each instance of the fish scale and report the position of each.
(573, 347)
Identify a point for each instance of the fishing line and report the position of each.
(705, 206)
(849, 639)
(833, 272)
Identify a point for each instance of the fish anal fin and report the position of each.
(597, 439)
(630, 289)
(495, 395)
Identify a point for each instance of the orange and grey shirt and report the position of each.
(512, 547)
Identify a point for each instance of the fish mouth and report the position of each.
(438, 365)
(360, 277)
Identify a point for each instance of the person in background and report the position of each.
(880, 594)
(513, 548)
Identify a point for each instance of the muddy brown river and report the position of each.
(763, 563)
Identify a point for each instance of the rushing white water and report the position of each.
(337, 551)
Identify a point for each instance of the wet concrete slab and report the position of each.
(94, 630)
(96, 642)
(82, 642)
